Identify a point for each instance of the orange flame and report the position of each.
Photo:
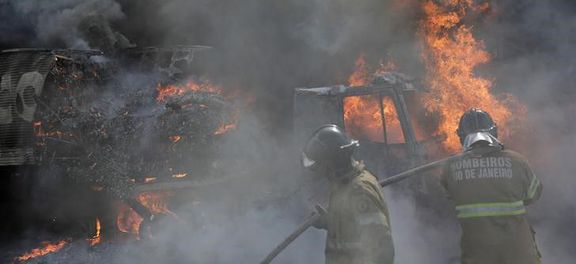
(451, 54)
(164, 92)
(46, 248)
(128, 221)
(96, 238)
(361, 75)
(362, 114)
(175, 138)
(156, 202)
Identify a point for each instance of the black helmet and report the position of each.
(329, 145)
(476, 120)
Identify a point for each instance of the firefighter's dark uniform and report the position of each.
(357, 222)
(490, 190)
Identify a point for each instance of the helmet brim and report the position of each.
(307, 162)
(475, 137)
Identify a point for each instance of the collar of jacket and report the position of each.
(357, 168)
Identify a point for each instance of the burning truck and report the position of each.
(384, 113)
(96, 154)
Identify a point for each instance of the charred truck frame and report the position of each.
(64, 144)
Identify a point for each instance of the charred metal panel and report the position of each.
(22, 74)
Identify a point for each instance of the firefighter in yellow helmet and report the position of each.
(491, 189)
(357, 216)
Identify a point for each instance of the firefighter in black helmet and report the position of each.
(477, 126)
(490, 189)
(357, 219)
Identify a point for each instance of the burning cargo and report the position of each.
(68, 116)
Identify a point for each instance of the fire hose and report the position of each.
(388, 181)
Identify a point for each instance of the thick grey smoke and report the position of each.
(73, 24)
(266, 48)
(533, 46)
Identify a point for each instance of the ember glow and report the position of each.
(164, 92)
(452, 54)
(179, 175)
(149, 179)
(47, 247)
(40, 132)
(175, 138)
(362, 114)
(224, 129)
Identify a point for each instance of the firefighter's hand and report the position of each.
(321, 223)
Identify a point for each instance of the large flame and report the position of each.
(362, 114)
(452, 54)
(47, 247)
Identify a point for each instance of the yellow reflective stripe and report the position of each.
(487, 214)
(490, 209)
(370, 218)
(533, 187)
(480, 205)
(339, 245)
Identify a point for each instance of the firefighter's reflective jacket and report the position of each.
(490, 190)
(357, 222)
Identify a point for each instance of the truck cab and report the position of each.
(386, 121)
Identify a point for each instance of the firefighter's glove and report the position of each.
(322, 222)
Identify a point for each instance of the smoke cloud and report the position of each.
(266, 48)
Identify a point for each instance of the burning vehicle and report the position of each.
(118, 156)
(385, 114)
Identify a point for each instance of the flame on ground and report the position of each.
(451, 54)
(47, 247)
(362, 114)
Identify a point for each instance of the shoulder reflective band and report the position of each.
(371, 219)
(339, 245)
(533, 187)
(490, 209)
